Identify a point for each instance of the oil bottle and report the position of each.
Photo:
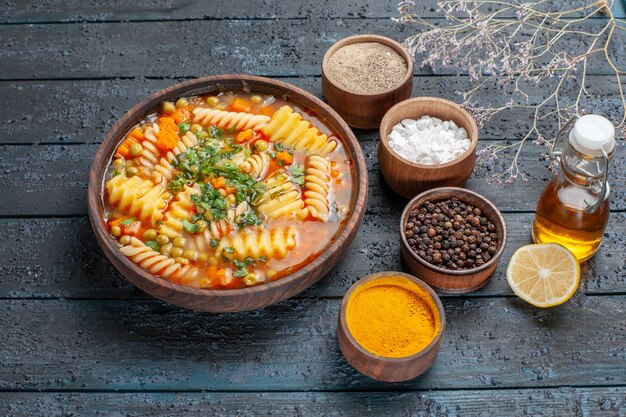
(573, 210)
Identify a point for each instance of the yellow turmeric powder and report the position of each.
(390, 319)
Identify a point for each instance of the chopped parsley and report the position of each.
(214, 242)
(115, 173)
(184, 127)
(152, 244)
(216, 132)
(297, 173)
(210, 160)
(250, 218)
(190, 227)
(128, 221)
(242, 266)
(241, 272)
(211, 200)
(229, 249)
(278, 146)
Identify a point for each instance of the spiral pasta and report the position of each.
(159, 264)
(316, 186)
(281, 198)
(229, 120)
(288, 128)
(164, 169)
(150, 153)
(256, 165)
(137, 197)
(273, 244)
(178, 211)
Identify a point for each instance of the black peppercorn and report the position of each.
(451, 234)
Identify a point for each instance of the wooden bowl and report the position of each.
(446, 280)
(365, 111)
(238, 299)
(383, 368)
(408, 178)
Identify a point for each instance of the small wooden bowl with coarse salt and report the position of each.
(426, 142)
(363, 76)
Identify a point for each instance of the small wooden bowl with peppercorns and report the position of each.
(452, 238)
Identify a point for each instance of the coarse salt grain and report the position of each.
(428, 140)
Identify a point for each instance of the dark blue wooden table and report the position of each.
(79, 340)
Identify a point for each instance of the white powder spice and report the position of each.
(428, 140)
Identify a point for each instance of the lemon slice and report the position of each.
(545, 275)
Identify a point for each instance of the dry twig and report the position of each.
(521, 45)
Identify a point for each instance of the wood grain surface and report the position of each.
(79, 340)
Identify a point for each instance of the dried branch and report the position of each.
(523, 45)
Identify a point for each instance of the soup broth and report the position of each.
(227, 191)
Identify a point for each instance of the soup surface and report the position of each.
(227, 191)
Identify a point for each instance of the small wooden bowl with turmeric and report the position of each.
(391, 326)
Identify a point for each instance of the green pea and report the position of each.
(213, 261)
(116, 231)
(125, 240)
(131, 171)
(176, 252)
(190, 254)
(119, 163)
(250, 279)
(168, 107)
(231, 198)
(212, 100)
(195, 128)
(181, 102)
(260, 145)
(202, 225)
(150, 234)
(165, 249)
(179, 242)
(182, 261)
(207, 216)
(256, 99)
(162, 239)
(203, 257)
(135, 149)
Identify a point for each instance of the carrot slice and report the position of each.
(218, 182)
(244, 136)
(240, 105)
(133, 228)
(167, 138)
(137, 134)
(180, 115)
(124, 148)
(284, 156)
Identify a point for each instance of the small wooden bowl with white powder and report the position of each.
(426, 142)
(363, 76)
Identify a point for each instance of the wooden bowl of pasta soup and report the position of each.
(206, 194)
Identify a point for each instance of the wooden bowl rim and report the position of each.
(454, 192)
(384, 274)
(473, 134)
(368, 38)
(202, 84)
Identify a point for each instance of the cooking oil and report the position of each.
(573, 210)
(561, 218)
